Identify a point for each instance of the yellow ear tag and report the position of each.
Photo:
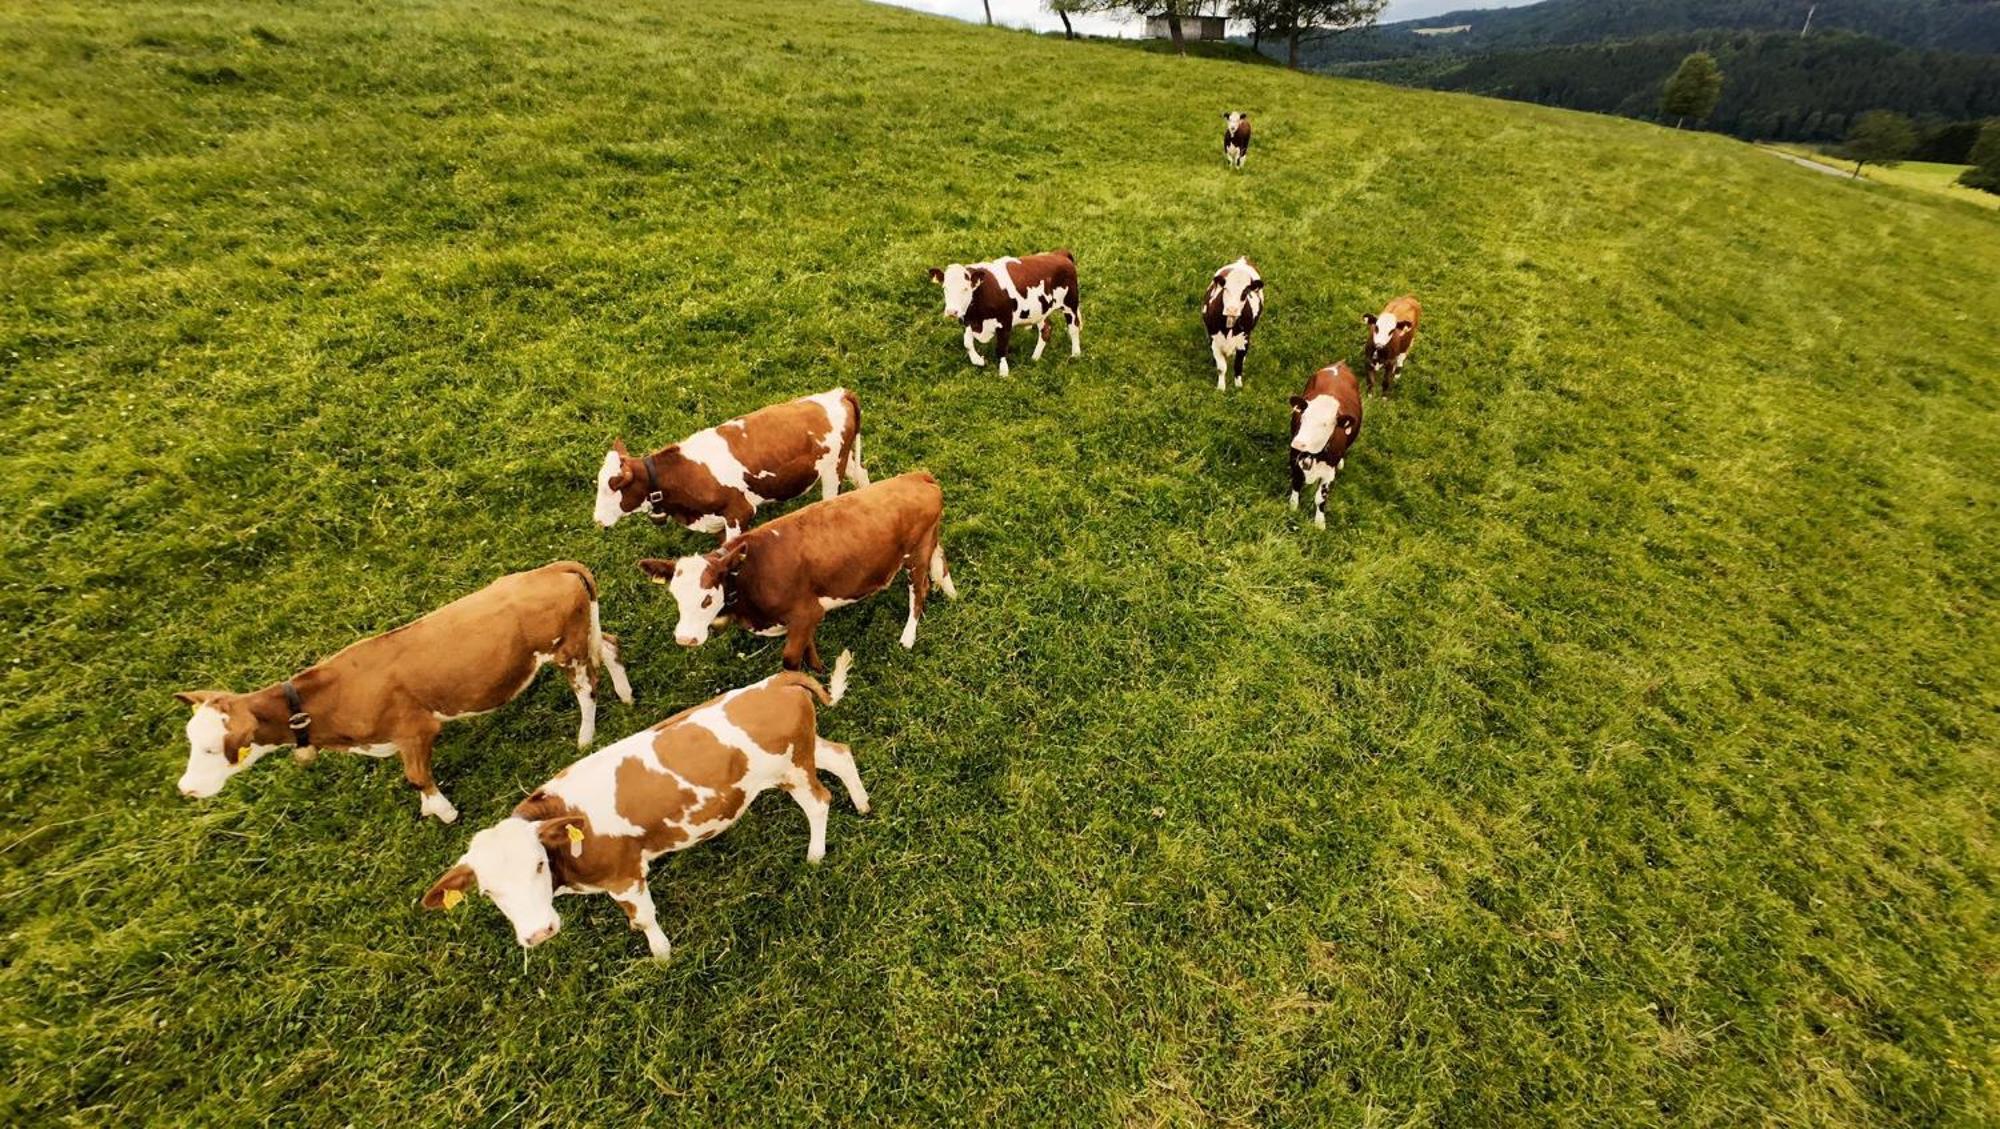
(452, 898)
(575, 839)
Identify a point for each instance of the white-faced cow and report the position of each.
(714, 480)
(1326, 419)
(782, 577)
(1390, 335)
(600, 823)
(1235, 138)
(1230, 311)
(390, 694)
(990, 299)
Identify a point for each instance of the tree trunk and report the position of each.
(988, 4)
(1068, 31)
(1856, 175)
(1257, 35)
(1292, 50)
(1679, 120)
(1174, 30)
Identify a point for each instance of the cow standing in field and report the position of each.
(600, 823)
(1390, 335)
(714, 480)
(782, 577)
(1230, 311)
(392, 693)
(990, 299)
(1326, 420)
(1235, 138)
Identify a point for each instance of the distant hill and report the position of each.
(1936, 60)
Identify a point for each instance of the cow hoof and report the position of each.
(1295, 499)
(434, 804)
(1319, 521)
(979, 362)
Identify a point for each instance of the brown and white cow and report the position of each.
(1390, 335)
(990, 299)
(1235, 138)
(782, 577)
(600, 823)
(1229, 312)
(1326, 420)
(393, 692)
(714, 480)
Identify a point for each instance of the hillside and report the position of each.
(1623, 752)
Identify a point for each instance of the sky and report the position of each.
(1030, 13)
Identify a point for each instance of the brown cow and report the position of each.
(714, 480)
(1234, 303)
(782, 577)
(1235, 138)
(391, 693)
(990, 299)
(1390, 335)
(597, 826)
(1326, 420)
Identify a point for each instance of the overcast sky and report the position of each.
(1030, 13)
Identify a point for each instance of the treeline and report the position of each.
(1776, 86)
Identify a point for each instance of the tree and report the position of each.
(1174, 11)
(1693, 90)
(988, 4)
(1985, 170)
(1881, 137)
(1301, 20)
(1064, 9)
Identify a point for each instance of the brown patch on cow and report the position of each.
(780, 719)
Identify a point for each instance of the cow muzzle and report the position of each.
(540, 935)
(690, 640)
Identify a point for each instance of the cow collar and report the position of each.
(300, 721)
(656, 499)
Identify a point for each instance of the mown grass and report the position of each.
(1924, 176)
(1622, 753)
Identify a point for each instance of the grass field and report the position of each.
(1623, 752)
(1925, 176)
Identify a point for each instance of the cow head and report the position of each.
(221, 740)
(1238, 281)
(696, 583)
(1317, 421)
(509, 863)
(621, 486)
(1382, 328)
(959, 282)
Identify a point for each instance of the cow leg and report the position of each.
(583, 680)
(829, 481)
(839, 760)
(1041, 339)
(1001, 339)
(799, 644)
(416, 754)
(814, 800)
(637, 902)
(1319, 503)
(1074, 316)
(1221, 365)
(972, 350)
(1245, 348)
(1399, 365)
(1298, 482)
(940, 573)
(918, 567)
(607, 653)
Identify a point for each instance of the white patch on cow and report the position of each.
(590, 785)
(831, 602)
(435, 805)
(1236, 293)
(511, 866)
(957, 290)
(606, 652)
(711, 450)
(1382, 330)
(709, 523)
(586, 704)
(909, 639)
(699, 604)
(1316, 424)
(207, 768)
(770, 632)
(1321, 472)
(610, 506)
(827, 466)
(985, 332)
(385, 749)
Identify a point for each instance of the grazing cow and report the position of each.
(600, 823)
(1325, 422)
(1390, 335)
(782, 577)
(392, 693)
(1235, 301)
(714, 480)
(1235, 138)
(990, 299)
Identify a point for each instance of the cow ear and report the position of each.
(1298, 403)
(660, 571)
(722, 560)
(1402, 325)
(618, 445)
(1368, 320)
(449, 889)
(564, 833)
(937, 275)
(200, 698)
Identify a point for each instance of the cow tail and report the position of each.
(812, 685)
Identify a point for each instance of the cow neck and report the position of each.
(656, 499)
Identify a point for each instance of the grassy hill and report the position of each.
(1624, 751)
